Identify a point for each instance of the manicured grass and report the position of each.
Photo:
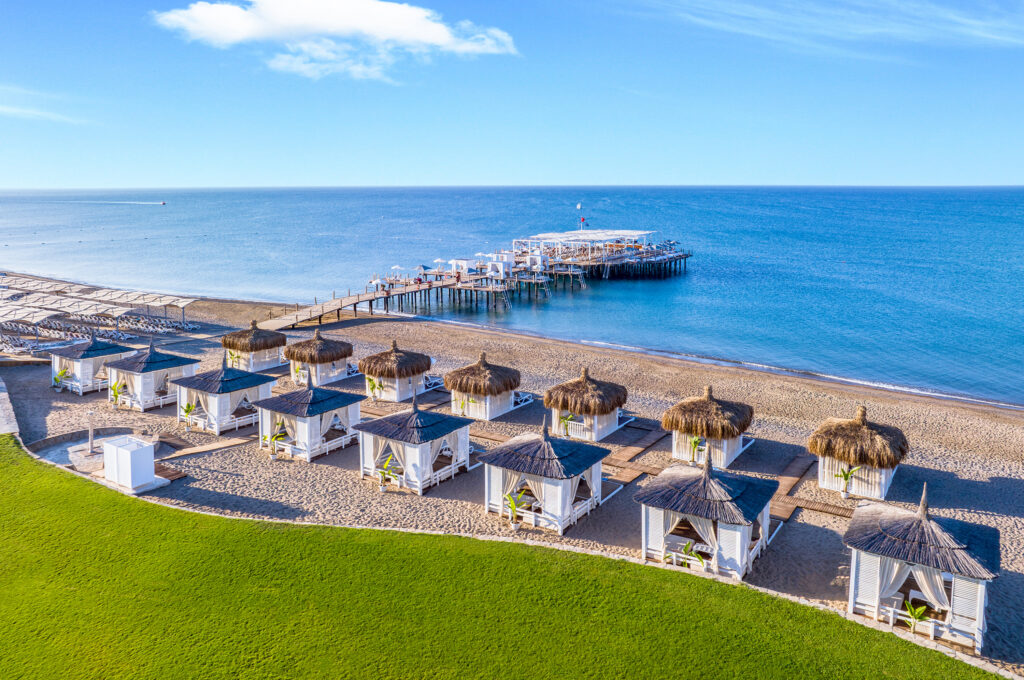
(97, 585)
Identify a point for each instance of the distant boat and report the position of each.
(163, 202)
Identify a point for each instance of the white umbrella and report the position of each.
(397, 266)
(439, 261)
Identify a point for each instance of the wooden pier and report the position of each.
(508, 274)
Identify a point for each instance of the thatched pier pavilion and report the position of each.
(586, 408)
(872, 452)
(717, 424)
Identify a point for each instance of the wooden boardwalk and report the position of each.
(335, 305)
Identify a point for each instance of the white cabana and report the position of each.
(867, 452)
(129, 465)
(484, 390)
(320, 360)
(902, 556)
(559, 479)
(717, 424)
(723, 517)
(397, 374)
(221, 400)
(308, 423)
(254, 349)
(143, 379)
(420, 448)
(586, 408)
(82, 367)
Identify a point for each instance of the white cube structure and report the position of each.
(129, 464)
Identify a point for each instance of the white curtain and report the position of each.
(160, 381)
(930, 582)
(381, 452)
(202, 399)
(235, 399)
(892, 574)
(574, 487)
(509, 481)
(671, 519)
(327, 419)
(536, 485)
(290, 425)
(132, 382)
(705, 528)
(63, 363)
(437, 445)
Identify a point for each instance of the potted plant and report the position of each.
(271, 440)
(693, 554)
(186, 411)
(513, 509)
(564, 422)
(694, 443)
(58, 380)
(375, 386)
(386, 474)
(846, 476)
(465, 400)
(298, 373)
(916, 615)
(234, 359)
(116, 392)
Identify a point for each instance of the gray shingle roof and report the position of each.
(149, 360)
(90, 349)
(414, 426)
(309, 402)
(223, 380)
(539, 454)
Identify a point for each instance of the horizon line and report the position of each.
(514, 186)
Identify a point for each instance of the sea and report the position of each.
(916, 289)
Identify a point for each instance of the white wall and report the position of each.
(868, 481)
(723, 451)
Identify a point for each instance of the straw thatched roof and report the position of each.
(149, 360)
(859, 442)
(394, 363)
(253, 339)
(309, 402)
(947, 545)
(706, 416)
(482, 378)
(223, 380)
(318, 350)
(722, 496)
(539, 454)
(90, 349)
(585, 396)
(414, 426)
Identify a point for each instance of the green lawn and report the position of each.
(94, 584)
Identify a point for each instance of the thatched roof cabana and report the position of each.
(706, 416)
(944, 544)
(318, 350)
(394, 363)
(482, 378)
(585, 396)
(722, 496)
(414, 426)
(540, 455)
(859, 442)
(253, 339)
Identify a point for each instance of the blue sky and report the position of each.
(364, 92)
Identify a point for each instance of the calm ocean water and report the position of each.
(921, 288)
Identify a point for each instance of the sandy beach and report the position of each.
(971, 456)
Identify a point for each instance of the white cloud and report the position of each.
(812, 23)
(359, 38)
(35, 114)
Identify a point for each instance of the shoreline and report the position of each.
(652, 352)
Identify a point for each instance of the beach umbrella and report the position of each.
(397, 266)
(422, 268)
(376, 282)
(439, 261)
